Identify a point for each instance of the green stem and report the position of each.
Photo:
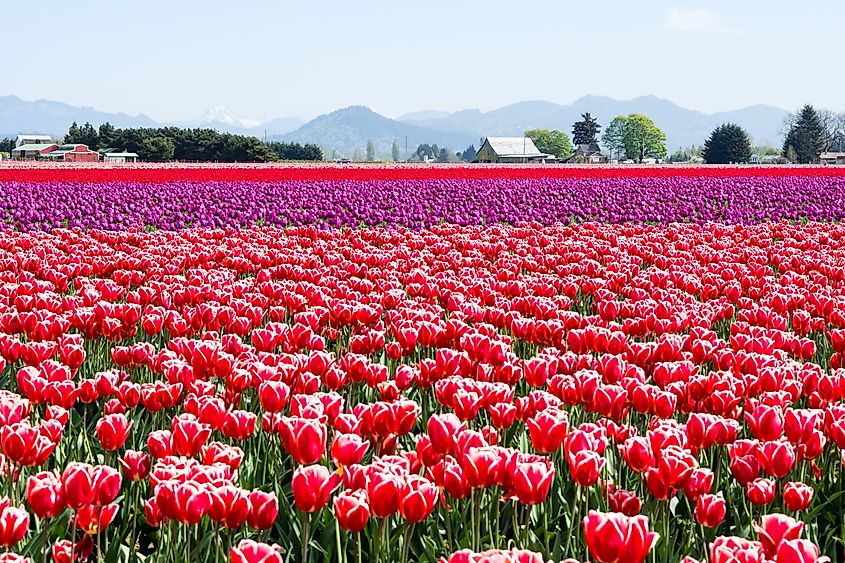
(306, 522)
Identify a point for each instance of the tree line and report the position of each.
(163, 144)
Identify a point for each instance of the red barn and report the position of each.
(74, 153)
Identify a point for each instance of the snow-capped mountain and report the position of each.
(225, 116)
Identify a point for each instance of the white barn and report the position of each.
(510, 149)
(33, 140)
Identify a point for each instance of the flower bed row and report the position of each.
(206, 172)
(419, 204)
(477, 394)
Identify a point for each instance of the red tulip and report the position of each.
(303, 438)
(383, 492)
(636, 452)
(710, 510)
(348, 449)
(94, 519)
(417, 499)
(616, 538)
(442, 429)
(777, 528)
(482, 466)
(160, 443)
(797, 496)
(623, 501)
(263, 510)
(547, 430)
(189, 435)
(700, 482)
(352, 510)
(273, 395)
(798, 551)
(585, 467)
(312, 486)
(190, 503)
(249, 551)
(14, 523)
(113, 430)
(44, 494)
(106, 482)
(78, 485)
(765, 422)
(761, 491)
(532, 481)
(239, 425)
(777, 458)
(229, 506)
(136, 465)
(733, 550)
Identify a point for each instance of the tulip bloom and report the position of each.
(775, 529)
(249, 551)
(189, 435)
(585, 467)
(547, 430)
(94, 519)
(303, 438)
(761, 491)
(113, 430)
(777, 458)
(442, 429)
(797, 496)
(616, 538)
(532, 481)
(44, 494)
(263, 510)
(352, 510)
(14, 523)
(135, 465)
(78, 485)
(348, 449)
(710, 510)
(798, 551)
(417, 499)
(312, 486)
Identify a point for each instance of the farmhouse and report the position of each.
(120, 156)
(510, 149)
(33, 140)
(33, 150)
(589, 154)
(73, 153)
(832, 158)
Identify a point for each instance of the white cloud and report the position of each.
(676, 18)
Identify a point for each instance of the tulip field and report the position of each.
(450, 364)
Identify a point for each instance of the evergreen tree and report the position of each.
(396, 152)
(371, 150)
(74, 134)
(806, 137)
(469, 154)
(88, 136)
(105, 136)
(586, 131)
(728, 144)
(157, 149)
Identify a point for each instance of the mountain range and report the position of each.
(347, 130)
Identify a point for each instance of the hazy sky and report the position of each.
(174, 59)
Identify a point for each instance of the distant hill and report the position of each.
(683, 127)
(53, 118)
(48, 117)
(348, 129)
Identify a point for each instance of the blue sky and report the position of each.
(174, 59)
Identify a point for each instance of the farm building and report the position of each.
(120, 156)
(33, 140)
(832, 158)
(73, 153)
(588, 154)
(510, 149)
(33, 150)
